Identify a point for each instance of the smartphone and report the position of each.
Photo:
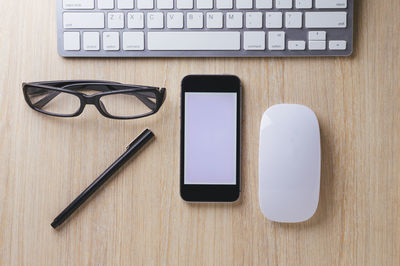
(210, 138)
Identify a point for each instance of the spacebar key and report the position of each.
(193, 41)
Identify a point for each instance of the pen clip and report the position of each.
(130, 144)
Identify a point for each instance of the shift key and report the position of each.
(83, 20)
(326, 20)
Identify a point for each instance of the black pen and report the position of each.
(133, 148)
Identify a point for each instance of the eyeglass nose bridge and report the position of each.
(90, 99)
(94, 100)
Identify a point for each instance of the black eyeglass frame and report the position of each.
(94, 99)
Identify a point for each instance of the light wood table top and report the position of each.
(139, 217)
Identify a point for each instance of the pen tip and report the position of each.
(54, 224)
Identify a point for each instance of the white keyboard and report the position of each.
(204, 28)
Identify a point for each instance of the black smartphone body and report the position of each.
(210, 138)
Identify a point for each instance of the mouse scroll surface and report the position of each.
(289, 163)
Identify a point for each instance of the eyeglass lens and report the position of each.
(129, 104)
(53, 102)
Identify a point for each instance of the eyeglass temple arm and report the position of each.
(145, 100)
(47, 99)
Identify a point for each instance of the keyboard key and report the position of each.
(284, 4)
(91, 41)
(224, 4)
(194, 20)
(83, 20)
(135, 20)
(105, 4)
(254, 20)
(273, 20)
(175, 20)
(111, 41)
(276, 40)
(254, 40)
(297, 45)
(331, 3)
(294, 20)
(145, 4)
(214, 20)
(234, 20)
(244, 4)
(165, 4)
(116, 20)
(133, 41)
(78, 4)
(194, 41)
(337, 45)
(184, 4)
(326, 19)
(317, 45)
(72, 41)
(125, 4)
(303, 4)
(264, 4)
(155, 20)
(204, 4)
(317, 35)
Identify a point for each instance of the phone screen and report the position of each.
(210, 138)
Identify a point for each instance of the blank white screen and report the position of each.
(210, 138)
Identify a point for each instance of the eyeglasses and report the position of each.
(115, 100)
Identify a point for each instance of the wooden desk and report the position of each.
(139, 217)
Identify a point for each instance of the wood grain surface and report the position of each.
(139, 217)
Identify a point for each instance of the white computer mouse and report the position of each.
(289, 163)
